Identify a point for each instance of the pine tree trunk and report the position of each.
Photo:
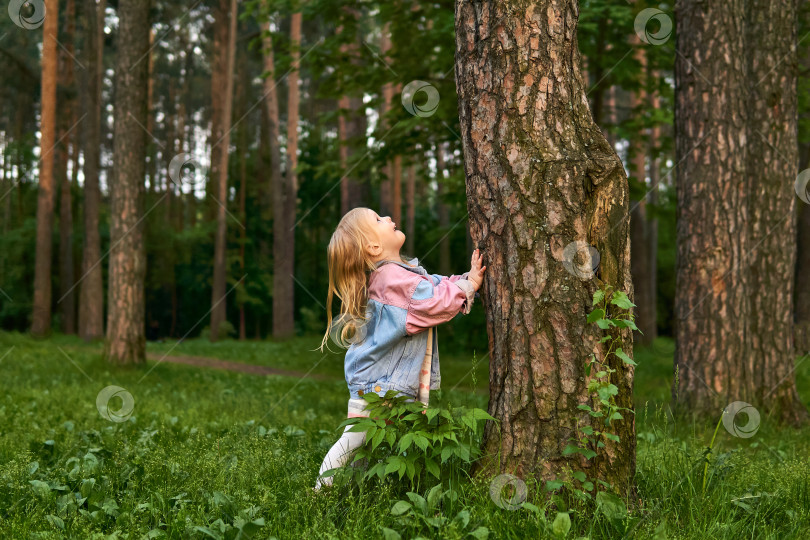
(443, 213)
(285, 204)
(772, 166)
(41, 321)
(242, 146)
(410, 204)
(802, 291)
(67, 301)
(540, 175)
(386, 185)
(126, 342)
(276, 187)
(642, 263)
(711, 281)
(736, 207)
(223, 142)
(91, 289)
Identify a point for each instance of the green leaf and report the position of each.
(561, 525)
(620, 299)
(393, 465)
(431, 414)
(611, 506)
(447, 451)
(612, 436)
(579, 475)
(420, 441)
(390, 534)
(400, 507)
(598, 296)
(480, 414)
(553, 485)
(55, 521)
(604, 324)
(405, 442)
(481, 533)
(378, 437)
(596, 315)
(432, 468)
(390, 437)
(624, 358)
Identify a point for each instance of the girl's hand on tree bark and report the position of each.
(476, 274)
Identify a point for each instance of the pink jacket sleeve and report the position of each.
(432, 304)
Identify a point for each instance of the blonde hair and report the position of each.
(349, 261)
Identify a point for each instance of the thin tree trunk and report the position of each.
(66, 115)
(223, 141)
(386, 186)
(540, 175)
(443, 213)
(219, 60)
(91, 290)
(284, 203)
(126, 342)
(410, 203)
(642, 260)
(41, 324)
(276, 188)
(242, 151)
(771, 166)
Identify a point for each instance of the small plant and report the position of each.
(612, 310)
(426, 512)
(406, 439)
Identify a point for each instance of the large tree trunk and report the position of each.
(223, 142)
(711, 282)
(41, 323)
(271, 120)
(540, 176)
(772, 166)
(736, 149)
(67, 301)
(285, 204)
(126, 342)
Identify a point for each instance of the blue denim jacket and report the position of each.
(403, 302)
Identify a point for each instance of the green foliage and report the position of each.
(424, 514)
(427, 445)
(612, 310)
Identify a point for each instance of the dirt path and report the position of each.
(253, 369)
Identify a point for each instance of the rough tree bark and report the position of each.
(711, 286)
(41, 320)
(772, 165)
(223, 142)
(736, 150)
(126, 342)
(540, 175)
(91, 291)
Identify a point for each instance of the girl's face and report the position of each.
(390, 239)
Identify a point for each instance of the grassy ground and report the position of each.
(207, 452)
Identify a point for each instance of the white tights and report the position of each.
(343, 450)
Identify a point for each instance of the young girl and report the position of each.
(386, 304)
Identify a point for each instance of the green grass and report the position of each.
(206, 450)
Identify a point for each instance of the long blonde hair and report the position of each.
(349, 261)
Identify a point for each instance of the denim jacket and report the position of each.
(403, 302)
